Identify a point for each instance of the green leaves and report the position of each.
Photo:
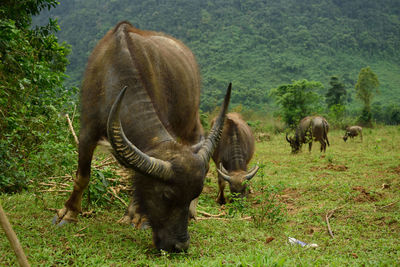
(31, 95)
(298, 100)
(367, 85)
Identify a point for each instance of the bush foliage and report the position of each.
(32, 95)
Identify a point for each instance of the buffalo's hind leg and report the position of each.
(73, 206)
(323, 146)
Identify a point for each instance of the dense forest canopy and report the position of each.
(256, 44)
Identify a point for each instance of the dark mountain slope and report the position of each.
(256, 44)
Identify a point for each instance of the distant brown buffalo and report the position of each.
(310, 128)
(352, 132)
(141, 92)
(232, 155)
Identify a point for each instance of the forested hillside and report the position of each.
(256, 44)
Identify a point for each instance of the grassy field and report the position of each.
(356, 184)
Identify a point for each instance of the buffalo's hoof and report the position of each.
(145, 225)
(55, 219)
(62, 222)
(65, 216)
(221, 201)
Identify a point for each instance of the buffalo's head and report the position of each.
(346, 136)
(167, 177)
(294, 143)
(237, 180)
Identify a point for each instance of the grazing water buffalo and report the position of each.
(309, 129)
(152, 124)
(232, 155)
(352, 132)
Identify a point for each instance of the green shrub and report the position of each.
(32, 140)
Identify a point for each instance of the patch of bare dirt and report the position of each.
(330, 166)
(397, 170)
(289, 197)
(364, 195)
(388, 222)
(312, 229)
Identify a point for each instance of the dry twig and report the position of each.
(114, 193)
(211, 215)
(71, 128)
(328, 215)
(386, 206)
(222, 219)
(55, 190)
(12, 237)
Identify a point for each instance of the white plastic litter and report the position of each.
(294, 241)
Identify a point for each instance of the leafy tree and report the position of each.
(298, 100)
(336, 95)
(366, 86)
(393, 115)
(31, 75)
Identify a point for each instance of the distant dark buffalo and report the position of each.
(352, 132)
(310, 128)
(152, 124)
(232, 156)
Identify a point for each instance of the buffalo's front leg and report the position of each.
(221, 186)
(73, 206)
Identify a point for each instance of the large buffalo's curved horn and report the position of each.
(207, 149)
(221, 167)
(250, 174)
(224, 174)
(127, 153)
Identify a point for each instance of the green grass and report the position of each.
(348, 178)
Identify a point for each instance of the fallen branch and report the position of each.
(211, 218)
(56, 190)
(55, 184)
(114, 193)
(71, 128)
(60, 177)
(386, 206)
(12, 237)
(105, 164)
(80, 230)
(107, 159)
(222, 219)
(211, 215)
(328, 215)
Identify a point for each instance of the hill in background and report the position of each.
(256, 44)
